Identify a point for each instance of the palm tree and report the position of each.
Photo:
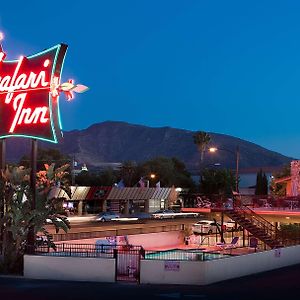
(201, 139)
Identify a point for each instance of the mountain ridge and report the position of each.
(119, 141)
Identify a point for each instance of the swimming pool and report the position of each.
(178, 254)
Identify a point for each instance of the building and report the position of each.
(140, 199)
(127, 200)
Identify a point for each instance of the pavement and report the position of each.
(274, 285)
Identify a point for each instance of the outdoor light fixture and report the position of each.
(212, 149)
(237, 158)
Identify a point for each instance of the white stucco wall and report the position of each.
(69, 268)
(190, 272)
(233, 267)
(207, 272)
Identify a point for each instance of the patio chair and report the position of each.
(226, 246)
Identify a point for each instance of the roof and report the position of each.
(98, 192)
(114, 193)
(77, 193)
(138, 193)
(283, 179)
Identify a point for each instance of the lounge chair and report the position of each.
(232, 245)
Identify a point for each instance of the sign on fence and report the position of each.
(277, 252)
(172, 265)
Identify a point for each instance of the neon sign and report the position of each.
(29, 94)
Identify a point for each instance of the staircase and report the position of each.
(256, 225)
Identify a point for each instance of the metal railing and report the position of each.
(283, 238)
(183, 255)
(87, 250)
(257, 220)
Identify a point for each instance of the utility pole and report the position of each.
(237, 169)
(72, 171)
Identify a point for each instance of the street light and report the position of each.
(152, 176)
(237, 159)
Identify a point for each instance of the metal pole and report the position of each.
(31, 234)
(237, 169)
(2, 154)
(2, 168)
(72, 171)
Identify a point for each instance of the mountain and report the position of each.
(113, 142)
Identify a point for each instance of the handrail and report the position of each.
(259, 221)
(257, 216)
(279, 237)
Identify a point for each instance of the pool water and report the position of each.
(191, 254)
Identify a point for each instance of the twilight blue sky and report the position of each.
(230, 67)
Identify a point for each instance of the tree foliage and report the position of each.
(46, 156)
(201, 139)
(279, 189)
(218, 182)
(261, 187)
(18, 215)
(169, 171)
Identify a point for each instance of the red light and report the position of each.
(2, 56)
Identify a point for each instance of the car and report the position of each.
(230, 226)
(164, 214)
(205, 226)
(141, 215)
(57, 219)
(107, 216)
(208, 227)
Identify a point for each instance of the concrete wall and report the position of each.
(190, 272)
(161, 239)
(159, 271)
(202, 273)
(69, 268)
(233, 267)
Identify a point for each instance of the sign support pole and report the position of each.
(31, 234)
(2, 168)
(2, 154)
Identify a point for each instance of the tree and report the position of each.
(218, 182)
(128, 173)
(169, 171)
(107, 177)
(46, 156)
(201, 139)
(279, 189)
(261, 187)
(18, 216)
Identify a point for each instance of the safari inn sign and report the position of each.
(29, 94)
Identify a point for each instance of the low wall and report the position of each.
(182, 272)
(69, 268)
(207, 272)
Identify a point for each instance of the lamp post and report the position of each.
(237, 160)
(152, 176)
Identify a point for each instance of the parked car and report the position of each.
(164, 214)
(230, 226)
(205, 226)
(208, 226)
(141, 215)
(107, 216)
